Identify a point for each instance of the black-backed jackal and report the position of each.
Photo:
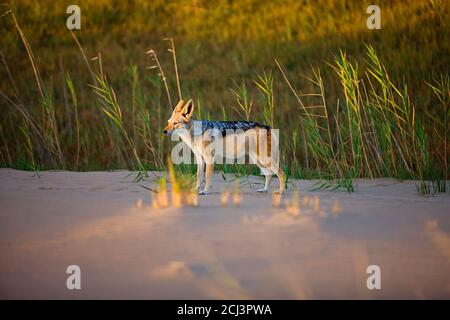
(200, 135)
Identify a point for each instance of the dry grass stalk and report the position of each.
(174, 55)
(153, 55)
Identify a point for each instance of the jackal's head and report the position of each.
(181, 117)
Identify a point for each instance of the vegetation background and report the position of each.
(350, 102)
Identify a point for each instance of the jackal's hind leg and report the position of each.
(268, 171)
(266, 184)
(268, 174)
(282, 179)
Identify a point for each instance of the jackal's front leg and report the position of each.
(200, 170)
(209, 172)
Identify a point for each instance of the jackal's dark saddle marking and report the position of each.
(227, 127)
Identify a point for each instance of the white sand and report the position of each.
(253, 251)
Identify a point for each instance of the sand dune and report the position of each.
(104, 223)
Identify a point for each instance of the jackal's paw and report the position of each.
(280, 192)
(203, 192)
(262, 190)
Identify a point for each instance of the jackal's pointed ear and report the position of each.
(179, 106)
(188, 109)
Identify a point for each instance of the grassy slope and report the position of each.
(216, 43)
